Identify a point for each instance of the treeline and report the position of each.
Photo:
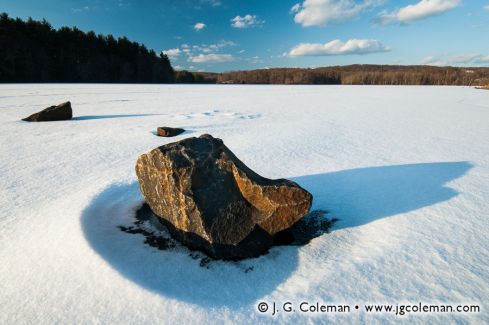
(187, 77)
(32, 51)
(361, 75)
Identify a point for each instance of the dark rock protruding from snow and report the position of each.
(60, 112)
(168, 132)
(211, 201)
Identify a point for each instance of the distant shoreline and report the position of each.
(220, 84)
(357, 74)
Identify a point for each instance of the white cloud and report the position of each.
(199, 26)
(222, 44)
(457, 60)
(122, 3)
(323, 12)
(337, 47)
(246, 21)
(486, 7)
(483, 59)
(213, 3)
(295, 8)
(97, 6)
(432, 60)
(82, 9)
(421, 10)
(465, 58)
(211, 58)
(172, 53)
(201, 53)
(205, 48)
(256, 60)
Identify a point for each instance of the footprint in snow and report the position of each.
(217, 114)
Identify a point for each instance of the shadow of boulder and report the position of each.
(175, 273)
(99, 117)
(356, 197)
(359, 196)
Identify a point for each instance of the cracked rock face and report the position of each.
(211, 201)
(53, 113)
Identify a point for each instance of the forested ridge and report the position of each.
(33, 51)
(361, 75)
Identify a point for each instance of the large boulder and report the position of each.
(211, 201)
(53, 113)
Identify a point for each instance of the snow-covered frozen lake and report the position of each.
(405, 169)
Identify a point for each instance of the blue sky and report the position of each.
(222, 35)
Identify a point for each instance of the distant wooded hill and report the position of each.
(32, 51)
(358, 75)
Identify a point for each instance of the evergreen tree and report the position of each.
(32, 51)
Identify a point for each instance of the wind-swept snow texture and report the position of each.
(404, 169)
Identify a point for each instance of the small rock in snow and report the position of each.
(168, 132)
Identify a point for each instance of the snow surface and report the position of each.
(405, 169)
